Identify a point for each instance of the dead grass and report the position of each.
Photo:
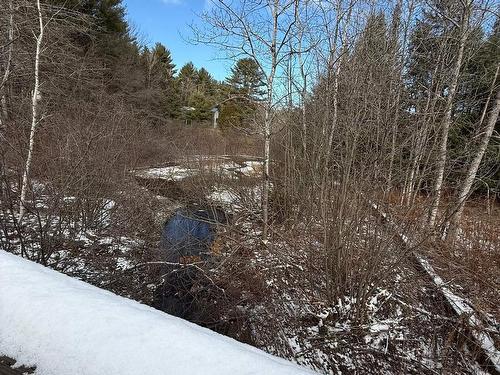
(472, 262)
(158, 146)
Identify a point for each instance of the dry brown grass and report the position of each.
(472, 262)
(157, 146)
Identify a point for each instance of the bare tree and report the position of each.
(151, 60)
(261, 31)
(454, 219)
(342, 24)
(6, 73)
(35, 116)
(464, 31)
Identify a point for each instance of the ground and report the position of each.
(276, 296)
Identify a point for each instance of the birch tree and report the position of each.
(261, 31)
(34, 113)
(343, 20)
(463, 32)
(464, 191)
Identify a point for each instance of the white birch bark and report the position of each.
(268, 124)
(446, 122)
(465, 189)
(34, 117)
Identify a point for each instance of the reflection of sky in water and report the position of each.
(189, 233)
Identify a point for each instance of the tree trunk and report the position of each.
(34, 118)
(268, 126)
(303, 94)
(6, 74)
(446, 122)
(454, 219)
(336, 75)
(422, 136)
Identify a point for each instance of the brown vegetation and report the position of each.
(383, 106)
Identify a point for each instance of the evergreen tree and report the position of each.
(165, 66)
(160, 68)
(373, 60)
(159, 79)
(187, 79)
(245, 88)
(206, 83)
(202, 104)
(247, 80)
(198, 89)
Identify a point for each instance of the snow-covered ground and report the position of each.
(173, 173)
(225, 165)
(66, 327)
(237, 176)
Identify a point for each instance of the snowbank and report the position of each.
(66, 327)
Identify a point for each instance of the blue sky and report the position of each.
(167, 21)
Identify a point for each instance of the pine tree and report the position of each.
(160, 68)
(206, 83)
(199, 90)
(187, 79)
(245, 88)
(160, 81)
(165, 67)
(247, 80)
(109, 15)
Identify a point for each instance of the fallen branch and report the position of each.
(460, 305)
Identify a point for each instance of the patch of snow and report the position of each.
(223, 196)
(175, 173)
(189, 167)
(66, 327)
(379, 327)
(252, 168)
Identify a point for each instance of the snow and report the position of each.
(175, 173)
(223, 196)
(64, 326)
(462, 308)
(458, 304)
(222, 166)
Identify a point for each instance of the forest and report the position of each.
(340, 187)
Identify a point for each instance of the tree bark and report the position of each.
(268, 125)
(336, 75)
(454, 219)
(34, 117)
(6, 74)
(446, 122)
